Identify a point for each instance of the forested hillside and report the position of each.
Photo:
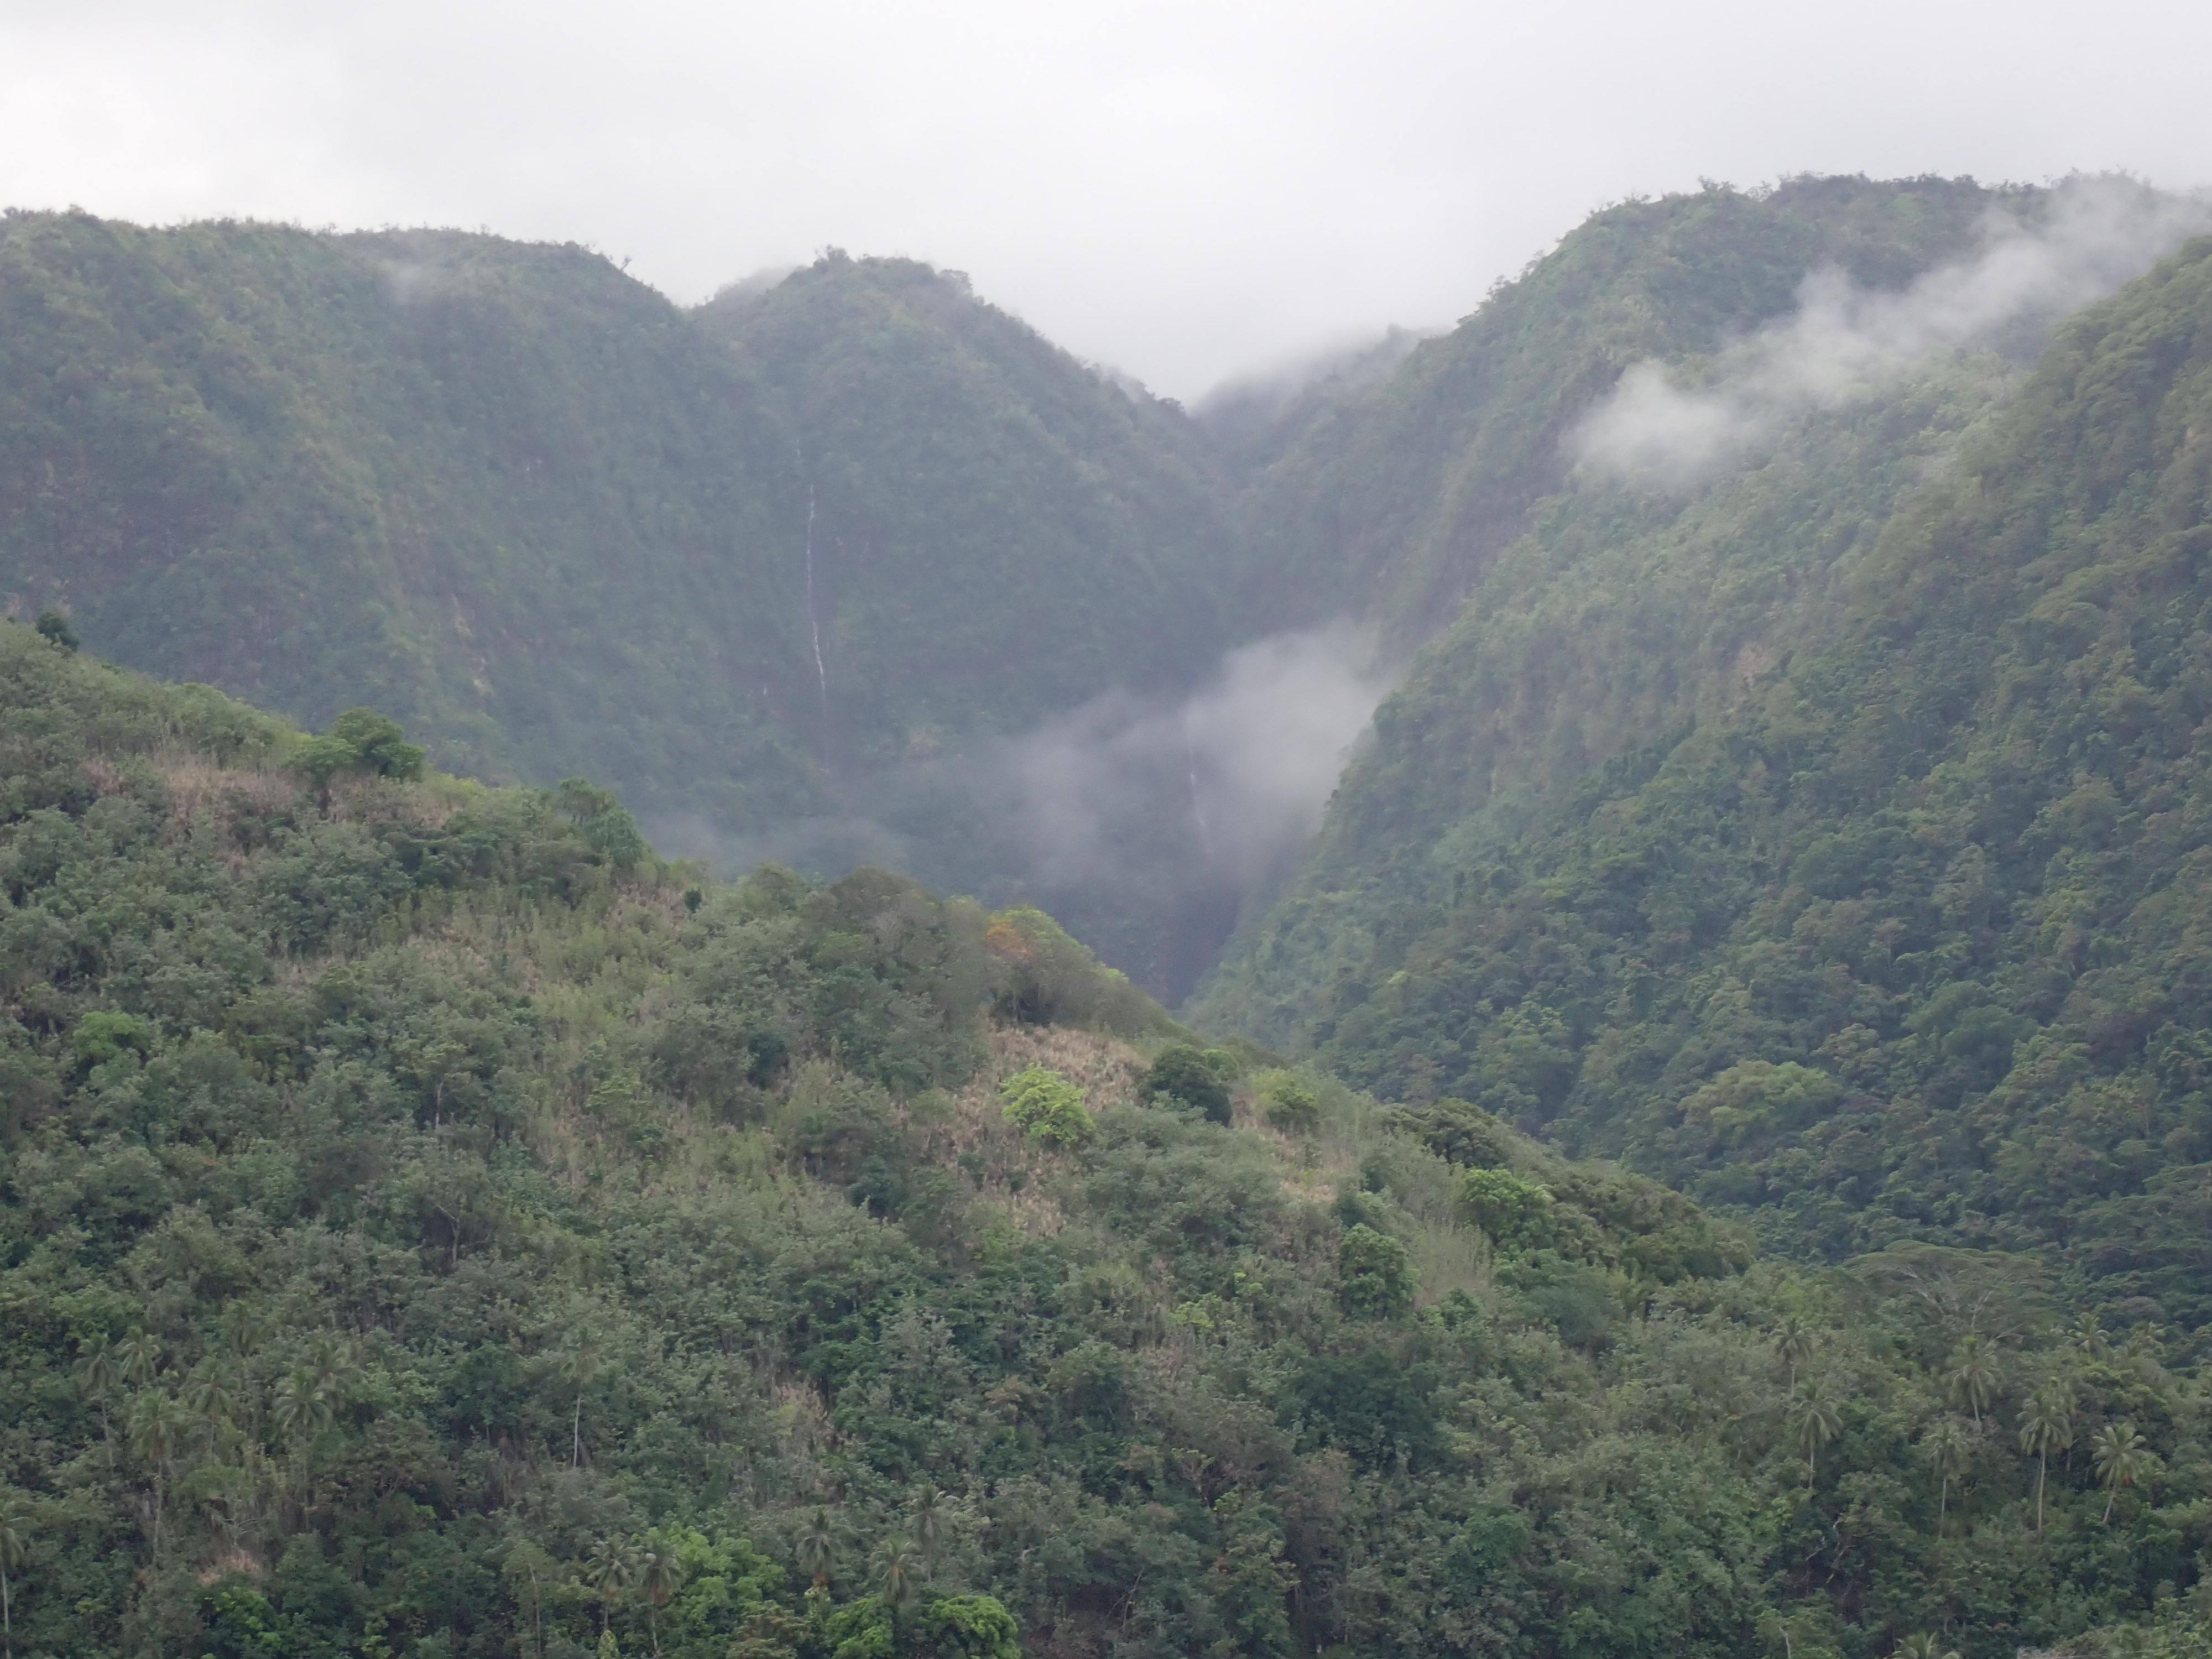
(852, 566)
(499, 490)
(723, 560)
(998, 533)
(1390, 499)
(1897, 936)
(431, 1224)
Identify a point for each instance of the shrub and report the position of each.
(1291, 1106)
(1197, 1077)
(1459, 1132)
(1047, 1105)
(359, 740)
(967, 1627)
(1374, 1274)
(1516, 1213)
(1040, 975)
(1754, 1098)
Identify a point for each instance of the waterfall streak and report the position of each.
(813, 623)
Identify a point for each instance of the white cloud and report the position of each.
(1253, 754)
(1183, 188)
(1844, 343)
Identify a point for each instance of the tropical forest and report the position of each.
(799, 979)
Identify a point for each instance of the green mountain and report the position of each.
(431, 1224)
(1388, 499)
(1018, 567)
(1821, 840)
(500, 491)
(848, 568)
(999, 534)
(729, 561)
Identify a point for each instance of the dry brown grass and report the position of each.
(102, 774)
(1013, 1172)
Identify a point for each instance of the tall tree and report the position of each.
(929, 1526)
(2046, 1425)
(1816, 1421)
(660, 1573)
(608, 1570)
(900, 1584)
(14, 1546)
(97, 1374)
(817, 1549)
(579, 1366)
(299, 1410)
(1949, 1450)
(2123, 1458)
(1795, 1344)
(157, 1427)
(1974, 1377)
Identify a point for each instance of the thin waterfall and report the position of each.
(1197, 812)
(813, 623)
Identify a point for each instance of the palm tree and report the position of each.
(1816, 1421)
(1946, 1447)
(2144, 1341)
(1973, 1378)
(929, 1526)
(2089, 1335)
(2123, 1458)
(137, 1357)
(901, 1582)
(608, 1570)
(1923, 1646)
(1794, 1345)
(579, 1365)
(13, 1546)
(332, 1362)
(817, 1549)
(156, 1427)
(212, 1399)
(97, 1374)
(2047, 1426)
(299, 1410)
(661, 1575)
(243, 1335)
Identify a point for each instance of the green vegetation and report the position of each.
(1000, 533)
(423, 1232)
(502, 492)
(1043, 1101)
(1185, 1075)
(433, 1224)
(1897, 937)
(1390, 497)
(734, 564)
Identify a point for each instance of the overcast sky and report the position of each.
(1184, 190)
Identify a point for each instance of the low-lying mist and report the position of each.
(1145, 824)
(1844, 343)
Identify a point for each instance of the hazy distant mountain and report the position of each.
(557, 525)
